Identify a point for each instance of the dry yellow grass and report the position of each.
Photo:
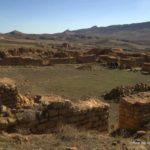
(91, 103)
(7, 81)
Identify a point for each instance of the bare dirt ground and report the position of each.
(69, 137)
(83, 141)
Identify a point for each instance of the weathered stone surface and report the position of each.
(119, 92)
(45, 113)
(134, 111)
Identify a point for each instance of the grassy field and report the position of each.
(67, 81)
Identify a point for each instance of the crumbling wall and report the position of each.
(85, 67)
(86, 59)
(88, 115)
(122, 55)
(119, 92)
(113, 58)
(14, 61)
(139, 61)
(134, 111)
(68, 60)
(134, 54)
(99, 51)
(146, 67)
(127, 63)
(9, 95)
(44, 114)
(147, 58)
(102, 58)
(73, 53)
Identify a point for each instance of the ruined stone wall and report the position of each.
(86, 59)
(99, 51)
(9, 95)
(44, 114)
(88, 115)
(146, 67)
(135, 54)
(41, 57)
(14, 61)
(112, 59)
(73, 53)
(147, 58)
(138, 61)
(102, 58)
(119, 92)
(67, 60)
(134, 111)
(127, 63)
(122, 55)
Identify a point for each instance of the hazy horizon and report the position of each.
(73, 30)
(54, 16)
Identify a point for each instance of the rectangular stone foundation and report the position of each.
(134, 111)
(90, 115)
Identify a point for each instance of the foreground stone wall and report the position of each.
(43, 114)
(134, 111)
(9, 95)
(89, 114)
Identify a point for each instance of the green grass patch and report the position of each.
(67, 81)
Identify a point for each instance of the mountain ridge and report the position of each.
(133, 32)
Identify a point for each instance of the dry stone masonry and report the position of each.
(90, 114)
(9, 95)
(109, 57)
(119, 92)
(134, 111)
(45, 113)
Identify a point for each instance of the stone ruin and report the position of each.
(85, 67)
(119, 92)
(9, 95)
(43, 114)
(112, 58)
(89, 115)
(134, 111)
(86, 59)
(146, 67)
(21, 61)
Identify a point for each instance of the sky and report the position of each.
(51, 16)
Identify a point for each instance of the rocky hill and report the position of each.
(134, 36)
(127, 31)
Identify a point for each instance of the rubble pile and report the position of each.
(119, 92)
